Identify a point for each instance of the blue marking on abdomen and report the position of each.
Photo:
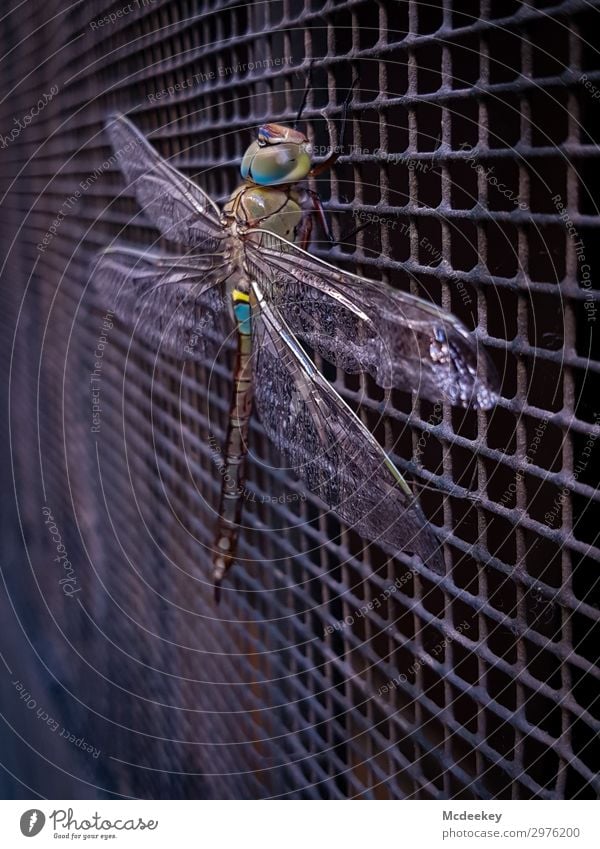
(242, 316)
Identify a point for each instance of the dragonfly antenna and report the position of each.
(345, 106)
(307, 86)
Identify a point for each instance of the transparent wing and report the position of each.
(174, 303)
(179, 208)
(363, 325)
(328, 446)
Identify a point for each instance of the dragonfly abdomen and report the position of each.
(233, 469)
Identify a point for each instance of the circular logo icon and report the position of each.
(32, 822)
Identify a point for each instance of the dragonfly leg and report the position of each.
(232, 470)
(335, 155)
(326, 165)
(318, 208)
(304, 231)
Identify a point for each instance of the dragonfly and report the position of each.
(250, 264)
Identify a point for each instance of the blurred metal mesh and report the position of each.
(482, 684)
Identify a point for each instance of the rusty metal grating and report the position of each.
(481, 684)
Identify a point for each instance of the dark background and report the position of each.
(499, 689)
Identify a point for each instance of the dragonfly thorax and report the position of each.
(279, 210)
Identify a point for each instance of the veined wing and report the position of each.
(177, 206)
(328, 446)
(362, 325)
(174, 302)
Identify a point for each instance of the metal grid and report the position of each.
(481, 684)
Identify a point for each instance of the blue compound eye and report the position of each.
(273, 164)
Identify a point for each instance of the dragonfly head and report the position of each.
(279, 155)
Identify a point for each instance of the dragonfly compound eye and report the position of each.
(274, 164)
